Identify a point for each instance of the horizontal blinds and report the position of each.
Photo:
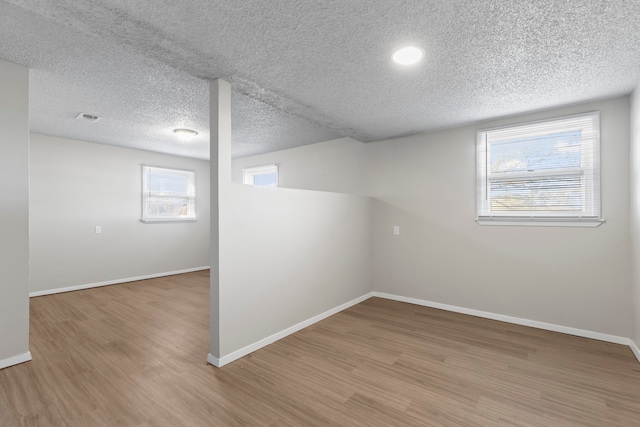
(543, 169)
(168, 194)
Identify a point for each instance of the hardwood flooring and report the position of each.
(135, 355)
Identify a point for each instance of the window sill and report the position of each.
(542, 222)
(166, 221)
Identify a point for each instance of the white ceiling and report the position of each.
(305, 71)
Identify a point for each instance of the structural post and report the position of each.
(14, 215)
(220, 146)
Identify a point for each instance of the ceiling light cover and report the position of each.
(88, 117)
(408, 55)
(185, 134)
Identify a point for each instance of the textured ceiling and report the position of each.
(305, 71)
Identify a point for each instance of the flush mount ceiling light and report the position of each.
(185, 135)
(408, 55)
(88, 117)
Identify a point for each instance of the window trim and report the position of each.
(590, 187)
(248, 174)
(191, 196)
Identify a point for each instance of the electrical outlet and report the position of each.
(98, 229)
(396, 230)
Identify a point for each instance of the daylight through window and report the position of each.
(544, 172)
(168, 195)
(261, 176)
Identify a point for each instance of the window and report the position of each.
(261, 176)
(542, 173)
(168, 195)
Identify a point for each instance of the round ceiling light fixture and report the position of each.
(408, 55)
(185, 135)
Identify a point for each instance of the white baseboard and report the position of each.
(635, 349)
(509, 319)
(114, 282)
(21, 358)
(220, 362)
(214, 361)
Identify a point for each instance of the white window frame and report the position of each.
(189, 195)
(589, 171)
(249, 174)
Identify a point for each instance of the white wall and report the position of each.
(635, 211)
(76, 186)
(575, 277)
(337, 165)
(14, 215)
(285, 255)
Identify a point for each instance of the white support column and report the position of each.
(220, 146)
(14, 215)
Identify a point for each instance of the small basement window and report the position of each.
(542, 173)
(168, 195)
(261, 176)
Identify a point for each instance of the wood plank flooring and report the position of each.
(134, 355)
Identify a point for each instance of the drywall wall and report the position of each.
(14, 215)
(285, 255)
(635, 212)
(575, 277)
(336, 165)
(76, 186)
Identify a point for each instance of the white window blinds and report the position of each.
(168, 195)
(542, 171)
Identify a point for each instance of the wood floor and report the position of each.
(134, 355)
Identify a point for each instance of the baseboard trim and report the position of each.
(509, 319)
(635, 349)
(224, 360)
(213, 361)
(114, 282)
(15, 360)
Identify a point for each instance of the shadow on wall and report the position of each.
(335, 166)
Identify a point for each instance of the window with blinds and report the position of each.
(168, 195)
(544, 173)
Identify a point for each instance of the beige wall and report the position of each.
(575, 277)
(14, 215)
(76, 186)
(635, 211)
(337, 165)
